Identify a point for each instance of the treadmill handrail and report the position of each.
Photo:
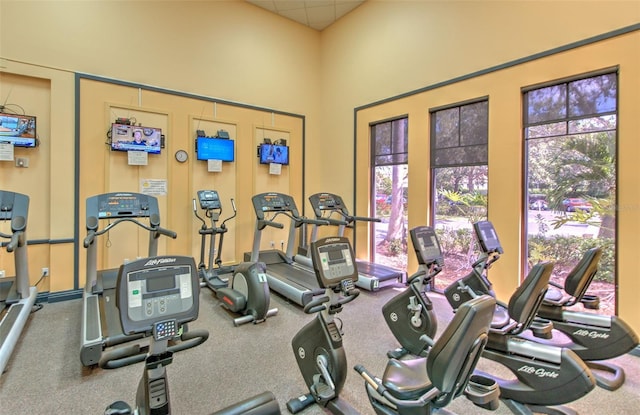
(157, 229)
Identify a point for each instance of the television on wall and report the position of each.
(209, 148)
(19, 130)
(273, 153)
(135, 138)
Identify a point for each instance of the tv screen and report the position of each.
(273, 153)
(135, 138)
(214, 149)
(19, 130)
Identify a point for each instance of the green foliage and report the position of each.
(396, 247)
(566, 251)
(454, 241)
(472, 206)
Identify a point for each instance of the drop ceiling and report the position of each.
(316, 14)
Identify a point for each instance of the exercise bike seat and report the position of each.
(407, 379)
(450, 361)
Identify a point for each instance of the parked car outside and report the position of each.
(574, 204)
(539, 205)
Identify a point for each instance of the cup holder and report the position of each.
(483, 392)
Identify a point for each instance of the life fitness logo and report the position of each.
(539, 372)
(159, 261)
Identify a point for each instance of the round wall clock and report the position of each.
(181, 156)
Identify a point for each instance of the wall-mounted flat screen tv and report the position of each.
(208, 148)
(19, 130)
(273, 153)
(135, 138)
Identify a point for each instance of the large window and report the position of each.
(389, 179)
(459, 171)
(570, 153)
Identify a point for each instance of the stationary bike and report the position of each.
(424, 385)
(248, 294)
(318, 345)
(410, 314)
(544, 375)
(591, 336)
(158, 296)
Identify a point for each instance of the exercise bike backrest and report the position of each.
(455, 353)
(336, 272)
(580, 277)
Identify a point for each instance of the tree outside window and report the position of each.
(389, 179)
(570, 135)
(459, 183)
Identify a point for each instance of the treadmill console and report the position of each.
(122, 205)
(209, 200)
(333, 261)
(487, 237)
(157, 294)
(427, 247)
(327, 201)
(274, 202)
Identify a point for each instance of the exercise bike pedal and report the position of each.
(296, 405)
(398, 353)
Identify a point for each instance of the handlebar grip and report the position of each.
(316, 305)
(315, 221)
(89, 238)
(167, 232)
(365, 219)
(13, 243)
(233, 205)
(274, 224)
(368, 377)
(195, 209)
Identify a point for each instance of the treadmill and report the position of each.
(16, 296)
(371, 276)
(289, 277)
(103, 342)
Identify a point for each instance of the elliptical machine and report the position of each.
(592, 337)
(248, 294)
(157, 297)
(410, 314)
(318, 345)
(210, 274)
(544, 375)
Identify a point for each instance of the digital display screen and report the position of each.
(161, 283)
(135, 138)
(274, 153)
(215, 149)
(19, 130)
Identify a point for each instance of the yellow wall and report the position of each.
(238, 52)
(503, 89)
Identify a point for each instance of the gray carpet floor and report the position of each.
(45, 376)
